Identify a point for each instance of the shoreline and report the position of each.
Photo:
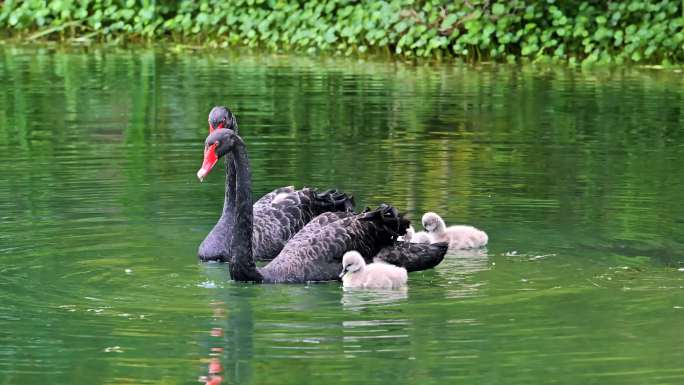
(578, 33)
(172, 48)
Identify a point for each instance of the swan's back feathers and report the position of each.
(278, 216)
(268, 198)
(278, 220)
(315, 253)
(413, 256)
(216, 245)
(323, 220)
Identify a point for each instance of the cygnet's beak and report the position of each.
(344, 271)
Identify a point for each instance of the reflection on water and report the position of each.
(230, 338)
(575, 176)
(361, 338)
(215, 367)
(466, 262)
(359, 299)
(458, 268)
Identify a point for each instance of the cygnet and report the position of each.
(459, 237)
(377, 275)
(416, 237)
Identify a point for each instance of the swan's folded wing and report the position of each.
(315, 253)
(276, 222)
(413, 256)
(268, 198)
(323, 220)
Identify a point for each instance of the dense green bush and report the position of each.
(571, 30)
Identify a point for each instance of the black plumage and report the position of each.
(315, 252)
(277, 216)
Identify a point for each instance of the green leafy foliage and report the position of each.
(575, 31)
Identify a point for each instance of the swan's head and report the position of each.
(217, 144)
(221, 117)
(433, 222)
(352, 261)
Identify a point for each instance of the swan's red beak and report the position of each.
(210, 160)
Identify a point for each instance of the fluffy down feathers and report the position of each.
(377, 275)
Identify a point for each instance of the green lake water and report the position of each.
(577, 176)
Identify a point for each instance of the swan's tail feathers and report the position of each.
(388, 218)
(333, 200)
(414, 256)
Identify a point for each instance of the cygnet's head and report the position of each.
(433, 222)
(352, 261)
(410, 232)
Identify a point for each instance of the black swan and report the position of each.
(278, 215)
(315, 252)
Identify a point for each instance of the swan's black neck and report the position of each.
(229, 200)
(216, 245)
(242, 266)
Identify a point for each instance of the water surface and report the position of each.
(576, 176)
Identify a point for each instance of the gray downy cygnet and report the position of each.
(458, 237)
(377, 275)
(416, 237)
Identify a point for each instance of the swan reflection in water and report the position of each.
(465, 262)
(458, 272)
(379, 326)
(359, 299)
(228, 342)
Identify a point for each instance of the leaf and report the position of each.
(13, 19)
(330, 36)
(449, 21)
(498, 9)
